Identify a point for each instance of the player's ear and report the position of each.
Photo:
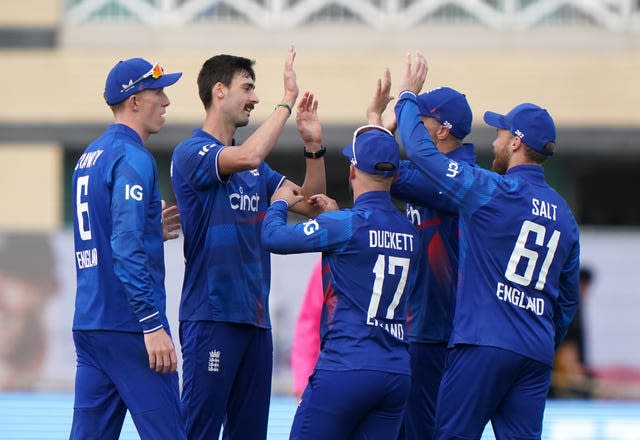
(218, 90)
(132, 102)
(442, 132)
(516, 142)
(352, 172)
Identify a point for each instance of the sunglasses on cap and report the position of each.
(155, 72)
(361, 130)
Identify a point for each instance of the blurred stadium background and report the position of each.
(578, 58)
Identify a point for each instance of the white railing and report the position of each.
(378, 14)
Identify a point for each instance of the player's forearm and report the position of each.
(280, 238)
(563, 314)
(315, 178)
(416, 138)
(413, 187)
(569, 295)
(132, 268)
(274, 235)
(315, 182)
(258, 146)
(443, 173)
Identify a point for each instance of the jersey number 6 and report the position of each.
(82, 208)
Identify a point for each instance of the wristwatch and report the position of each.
(315, 154)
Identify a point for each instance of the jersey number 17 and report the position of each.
(380, 269)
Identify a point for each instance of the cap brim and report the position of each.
(164, 81)
(495, 120)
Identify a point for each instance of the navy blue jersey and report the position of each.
(227, 273)
(518, 249)
(431, 304)
(118, 236)
(367, 254)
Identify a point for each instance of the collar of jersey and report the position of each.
(198, 132)
(534, 173)
(464, 153)
(125, 130)
(373, 198)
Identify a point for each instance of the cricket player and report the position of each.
(518, 269)
(361, 379)
(447, 116)
(223, 191)
(126, 359)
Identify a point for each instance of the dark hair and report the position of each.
(534, 156)
(221, 68)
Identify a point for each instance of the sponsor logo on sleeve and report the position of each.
(310, 227)
(134, 192)
(454, 169)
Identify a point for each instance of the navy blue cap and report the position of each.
(530, 123)
(133, 75)
(374, 150)
(449, 107)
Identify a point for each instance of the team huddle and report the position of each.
(435, 321)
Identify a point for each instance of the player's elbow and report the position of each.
(247, 162)
(238, 159)
(412, 153)
(267, 239)
(251, 161)
(271, 243)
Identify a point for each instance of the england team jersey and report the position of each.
(118, 236)
(367, 255)
(227, 271)
(518, 249)
(432, 302)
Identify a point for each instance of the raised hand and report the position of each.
(290, 79)
(380, 99)
(307, 121)
(414, 75)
